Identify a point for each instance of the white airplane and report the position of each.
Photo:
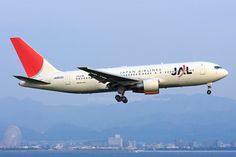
(147, 79)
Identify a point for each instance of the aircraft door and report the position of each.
(202, 69)
(67, 80)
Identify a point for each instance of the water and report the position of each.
(115, 154)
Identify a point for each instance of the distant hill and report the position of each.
(161, 118)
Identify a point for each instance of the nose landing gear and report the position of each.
(208, 91)
(209, 86)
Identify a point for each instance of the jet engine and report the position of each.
(149, 86)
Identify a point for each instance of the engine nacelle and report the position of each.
(149, 86)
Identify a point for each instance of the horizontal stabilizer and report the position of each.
(30, 80)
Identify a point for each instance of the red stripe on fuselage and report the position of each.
(30, 59)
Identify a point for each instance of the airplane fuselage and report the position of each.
(169, 75)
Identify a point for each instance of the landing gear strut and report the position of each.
(209, 86)
(121, 97)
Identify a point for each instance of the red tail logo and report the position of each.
(30, 59)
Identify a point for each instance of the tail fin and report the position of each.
(34, 64)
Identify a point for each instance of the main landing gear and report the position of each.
(209, 86)
(121, 97)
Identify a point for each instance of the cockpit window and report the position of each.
(217, 67)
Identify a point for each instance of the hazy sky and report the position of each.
(105, 33)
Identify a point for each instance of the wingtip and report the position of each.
(82, 68)
(17, 76)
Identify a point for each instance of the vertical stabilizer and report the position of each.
(34, 64)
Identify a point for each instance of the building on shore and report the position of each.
(116, 141)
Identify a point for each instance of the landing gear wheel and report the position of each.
(118, 98)
(124, 99)
(208, 92)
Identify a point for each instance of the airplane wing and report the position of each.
(30, 80)
(105, 77)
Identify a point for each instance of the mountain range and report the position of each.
(161, 118)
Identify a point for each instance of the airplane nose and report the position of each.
(224, 72)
